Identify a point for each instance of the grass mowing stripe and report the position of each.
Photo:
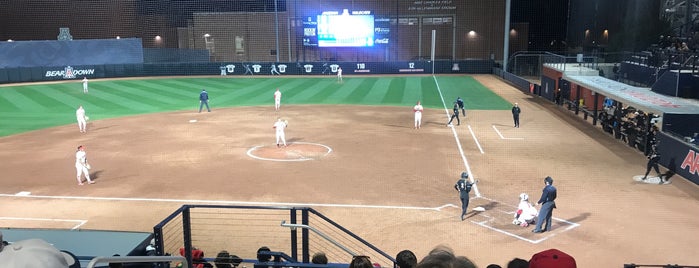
(298, 90)
(129, 100)
(396, 91)
(133, 93)
(362, 90)
(475, 95)
(431, 95)
(412, 92)
(175, 90)
(152, 92)
(251, 95)
(116, 102)
(69, 102)
(5, 103)
(23, 101)
(377, 92)
(308, 93)
(340, 91)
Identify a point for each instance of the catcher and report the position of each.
(526, 212)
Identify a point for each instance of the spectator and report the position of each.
(226, 260)
(552, 258)
(493, 266)
(406, 259)
(518, 263)
(319, 258)
(263, 257)
(35, 253)
(443, 257)
(361, 262)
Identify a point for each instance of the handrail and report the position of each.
(291, 225)
(136, 259)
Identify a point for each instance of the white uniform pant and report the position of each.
(277, 103)
(82, 124)
(418, 119)
(281, 139)
(84, 88)
(81, 169)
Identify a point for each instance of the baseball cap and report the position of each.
(32, 253)
(552, 258)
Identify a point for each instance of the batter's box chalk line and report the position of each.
(495, 213)
(650, 180)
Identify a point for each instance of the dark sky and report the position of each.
(546, 18)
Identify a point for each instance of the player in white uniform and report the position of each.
(82, 166)
(339, 75)
(277, 99)
(85, 85)
(82, 119)
(279, 126)
(417, 109)
(526, 212)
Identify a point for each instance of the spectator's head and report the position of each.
(552, 258)
(319, 258)
(32, 253)
(443, 257)
(493, 266)
(518, 263)
(361, 262)
(406, 259)
(263, 257)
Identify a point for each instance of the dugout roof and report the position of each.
(639, 97)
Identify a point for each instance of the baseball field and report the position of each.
(151, 151)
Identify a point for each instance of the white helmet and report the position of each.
(523, 197)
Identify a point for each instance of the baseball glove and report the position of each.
(88, 166)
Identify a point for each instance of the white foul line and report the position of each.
(79, 222)
(221, 202)
(501, 137)
(458, 143)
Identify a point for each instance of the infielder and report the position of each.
(84, 84)
(277, 99)
(279, 126)
(82, 119)
(82, 166)
(463, 186)
(417, 109)
(339, 74)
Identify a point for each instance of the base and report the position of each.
(650, 179)
(479, 209)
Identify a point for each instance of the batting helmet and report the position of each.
(464, 175)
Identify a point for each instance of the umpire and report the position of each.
(464, 187)
(547, 201)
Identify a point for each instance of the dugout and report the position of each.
(676, 117)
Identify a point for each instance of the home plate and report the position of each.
(650, 179)
(193, 121)
(479, 209)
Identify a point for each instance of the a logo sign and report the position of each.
(70, 73)
(691, 161)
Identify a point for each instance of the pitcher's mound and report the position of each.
(297, 151)
(650, 179)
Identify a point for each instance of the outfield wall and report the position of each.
(38, 74)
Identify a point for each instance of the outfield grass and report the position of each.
(31, 107)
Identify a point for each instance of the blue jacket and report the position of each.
(203, 96)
